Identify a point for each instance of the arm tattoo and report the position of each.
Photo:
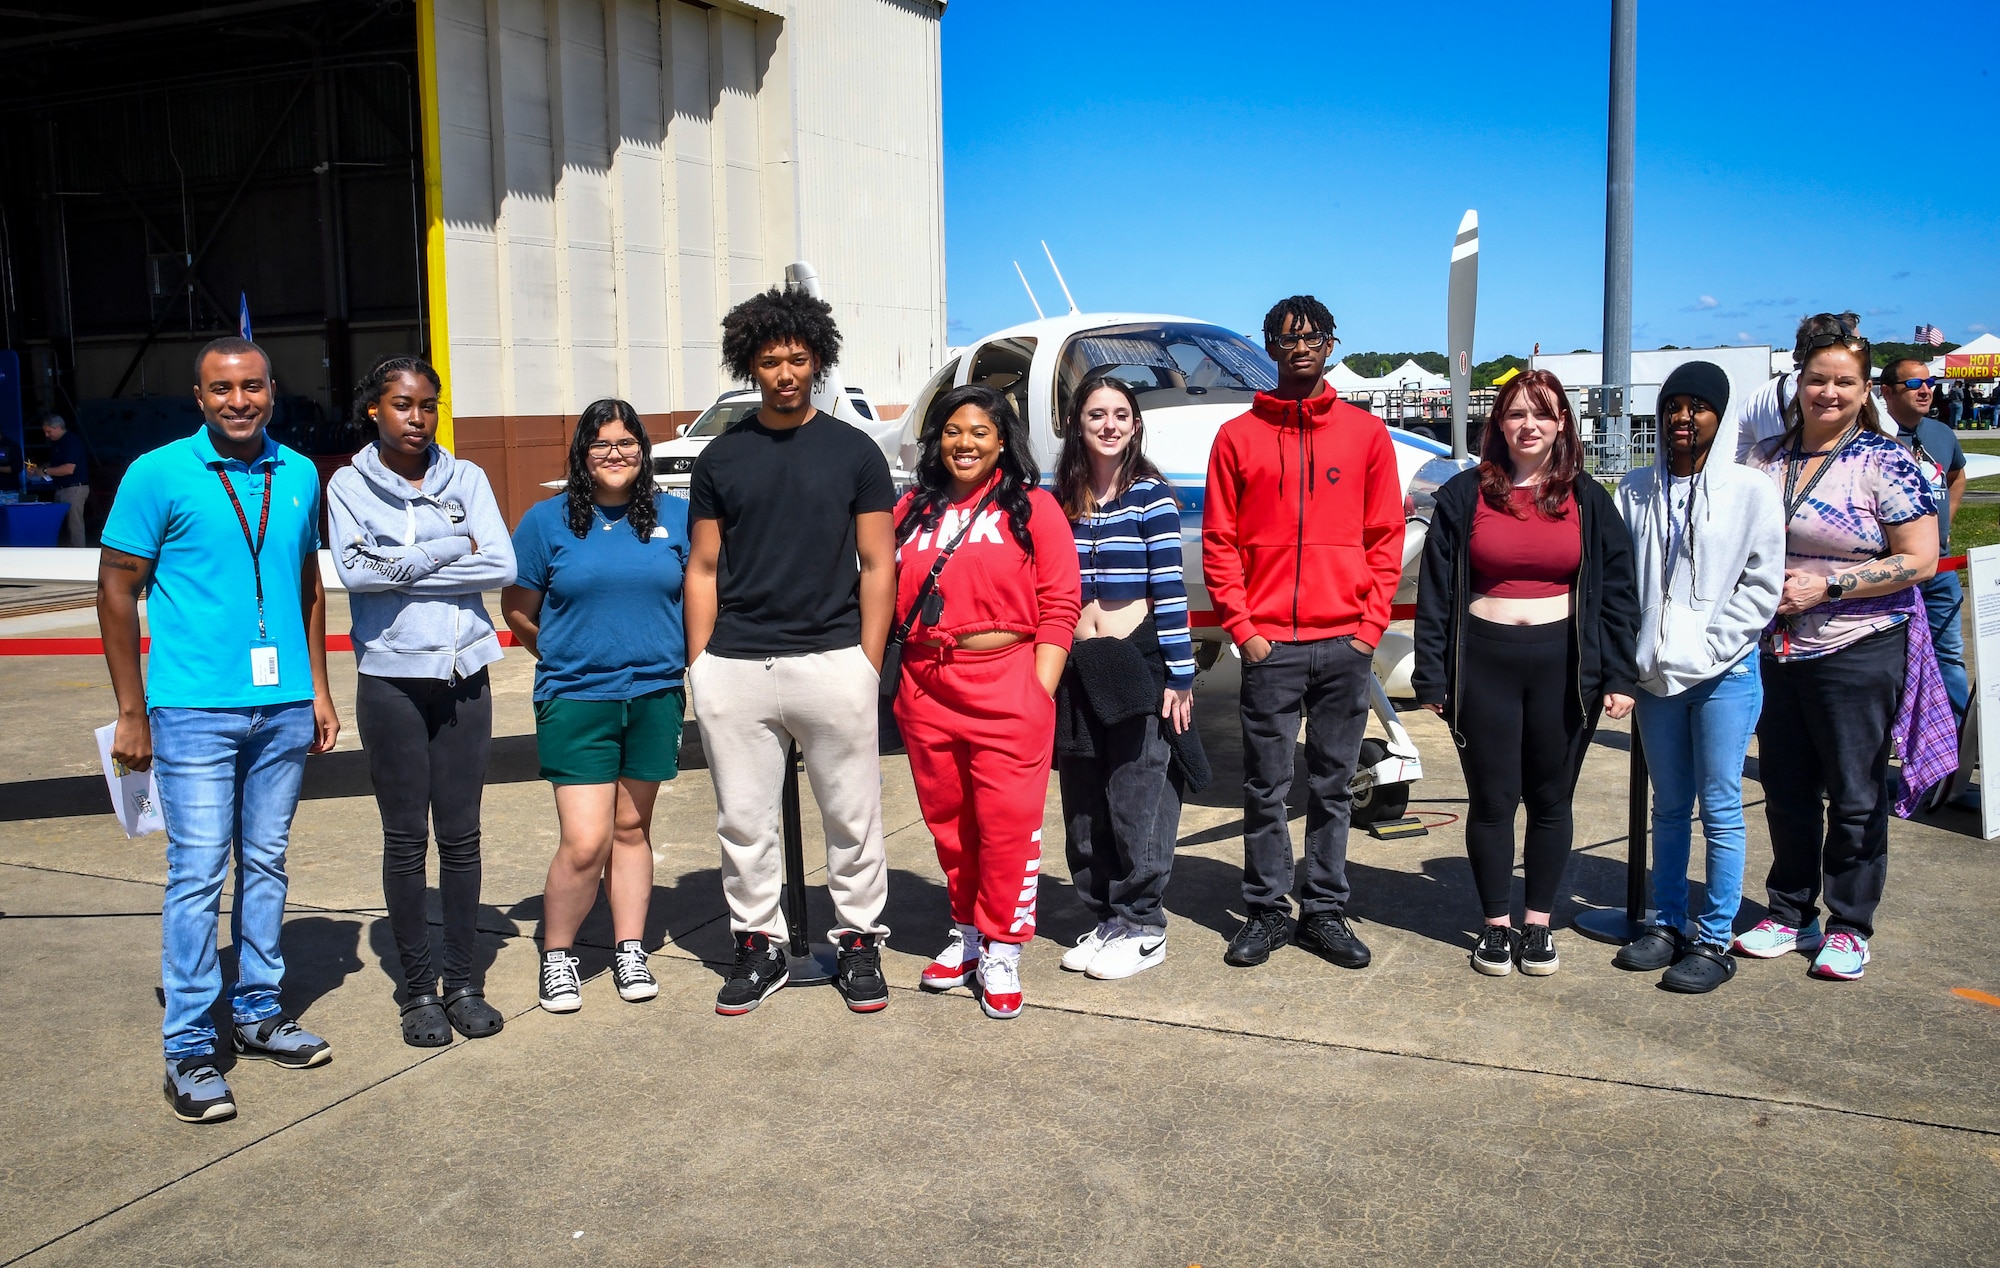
(1893, 569)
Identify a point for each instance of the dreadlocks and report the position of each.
(1306, 311)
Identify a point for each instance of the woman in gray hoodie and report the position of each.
(417, 538)
(1708, 541)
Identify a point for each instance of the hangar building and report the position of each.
(554, 200)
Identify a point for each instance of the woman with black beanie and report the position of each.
(1709, 543)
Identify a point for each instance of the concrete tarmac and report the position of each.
(1297, 1113)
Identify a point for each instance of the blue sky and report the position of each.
(1208, 157)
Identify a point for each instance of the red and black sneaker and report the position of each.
(759, 970)
(951, 967)
(860, 979)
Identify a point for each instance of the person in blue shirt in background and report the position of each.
(597, 601)
(68, 474)
(1907, 386)
(224, 528)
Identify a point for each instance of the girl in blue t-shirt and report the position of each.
(598, 602)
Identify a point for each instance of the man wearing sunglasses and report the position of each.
(1907, 392)
(1302, 547)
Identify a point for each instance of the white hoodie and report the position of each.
(1718, 601)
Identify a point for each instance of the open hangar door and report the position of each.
(163, 165)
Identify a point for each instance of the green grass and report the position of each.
(1977, 523)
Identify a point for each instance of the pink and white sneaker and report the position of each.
(1771, 939)
(1842, 958)
(952, 967)
(1000, 985)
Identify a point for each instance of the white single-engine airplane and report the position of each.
(1191, 377)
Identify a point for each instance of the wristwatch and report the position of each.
(1837, 587)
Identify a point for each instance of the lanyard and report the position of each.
(1796, 460)
(256, 546)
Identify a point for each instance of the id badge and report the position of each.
(263, 665)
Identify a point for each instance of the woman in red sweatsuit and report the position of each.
(980, 665)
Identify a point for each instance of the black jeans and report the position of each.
(1122, 813)
(427, 741)
(1524, 736)
(1825, 734)
(1328, 679)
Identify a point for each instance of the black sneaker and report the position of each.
(283, 1042)
(1704, 967)
(1538, 951)
(1260, 935)
(1652, 950)
(197, 1090)
(1328, 933)
(561, 987)
(759, 970)
(861, 980)
(635, 981)
(1494, 956)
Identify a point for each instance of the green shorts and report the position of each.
(603, 741)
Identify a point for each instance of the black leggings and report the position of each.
(427, 741)
(1524, 735)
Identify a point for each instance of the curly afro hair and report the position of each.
(779, 316)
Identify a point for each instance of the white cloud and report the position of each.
(1743, 336)
(1978, 329)
(1707, 301)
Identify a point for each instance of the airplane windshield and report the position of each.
(1171, 364)
(722, 415)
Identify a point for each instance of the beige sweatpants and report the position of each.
(749, 711)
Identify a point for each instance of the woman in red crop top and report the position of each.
(1526, 621)
(984, 651)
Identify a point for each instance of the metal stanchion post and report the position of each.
(810, 963)
(1608, 924)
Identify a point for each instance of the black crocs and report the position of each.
(424, 1024)
(471, 1015)
(1704, 967)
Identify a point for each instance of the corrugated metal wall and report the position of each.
(616, 173)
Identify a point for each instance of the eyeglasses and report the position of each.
(1315, 340)
(1829, 338)
(598, 448)
(1912, 385)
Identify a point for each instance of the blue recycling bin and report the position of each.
(32, 523)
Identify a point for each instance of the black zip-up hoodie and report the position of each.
(1605, 614)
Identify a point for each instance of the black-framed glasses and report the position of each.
(1830, 338)
(1312, 339)
(629, 445)
(1911, 385)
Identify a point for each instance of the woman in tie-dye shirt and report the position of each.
(1861, 531)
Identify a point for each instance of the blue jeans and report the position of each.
(1943, 597)
(1695, 744)
(229, 784)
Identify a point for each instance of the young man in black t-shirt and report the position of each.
(788, 598)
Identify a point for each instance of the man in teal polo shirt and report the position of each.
(223, 527)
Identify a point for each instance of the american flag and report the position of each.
(1930, 335)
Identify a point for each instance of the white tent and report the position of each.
(1987, 344)
(1344, 379)
(1411, 374)
(1403, 377)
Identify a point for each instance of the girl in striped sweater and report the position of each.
(1125, 747)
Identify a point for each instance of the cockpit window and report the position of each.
(1003, 365)
(1167, 364)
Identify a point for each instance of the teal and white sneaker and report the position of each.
(1773, 938)
(1842, 958)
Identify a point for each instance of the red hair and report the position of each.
(1496, 462)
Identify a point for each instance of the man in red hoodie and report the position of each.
(1302, 549)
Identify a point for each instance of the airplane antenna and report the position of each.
(1059, 276)
(1031, 291)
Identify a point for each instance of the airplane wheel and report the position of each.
(1377, 803)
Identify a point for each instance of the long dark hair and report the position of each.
(581, 489)
(1018, 472)
(1073, 463)
(1496, 461)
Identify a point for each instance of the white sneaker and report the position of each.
(1000, 986)
(1078, 958)
(1131, 951)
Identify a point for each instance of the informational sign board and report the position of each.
(1985, 597)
